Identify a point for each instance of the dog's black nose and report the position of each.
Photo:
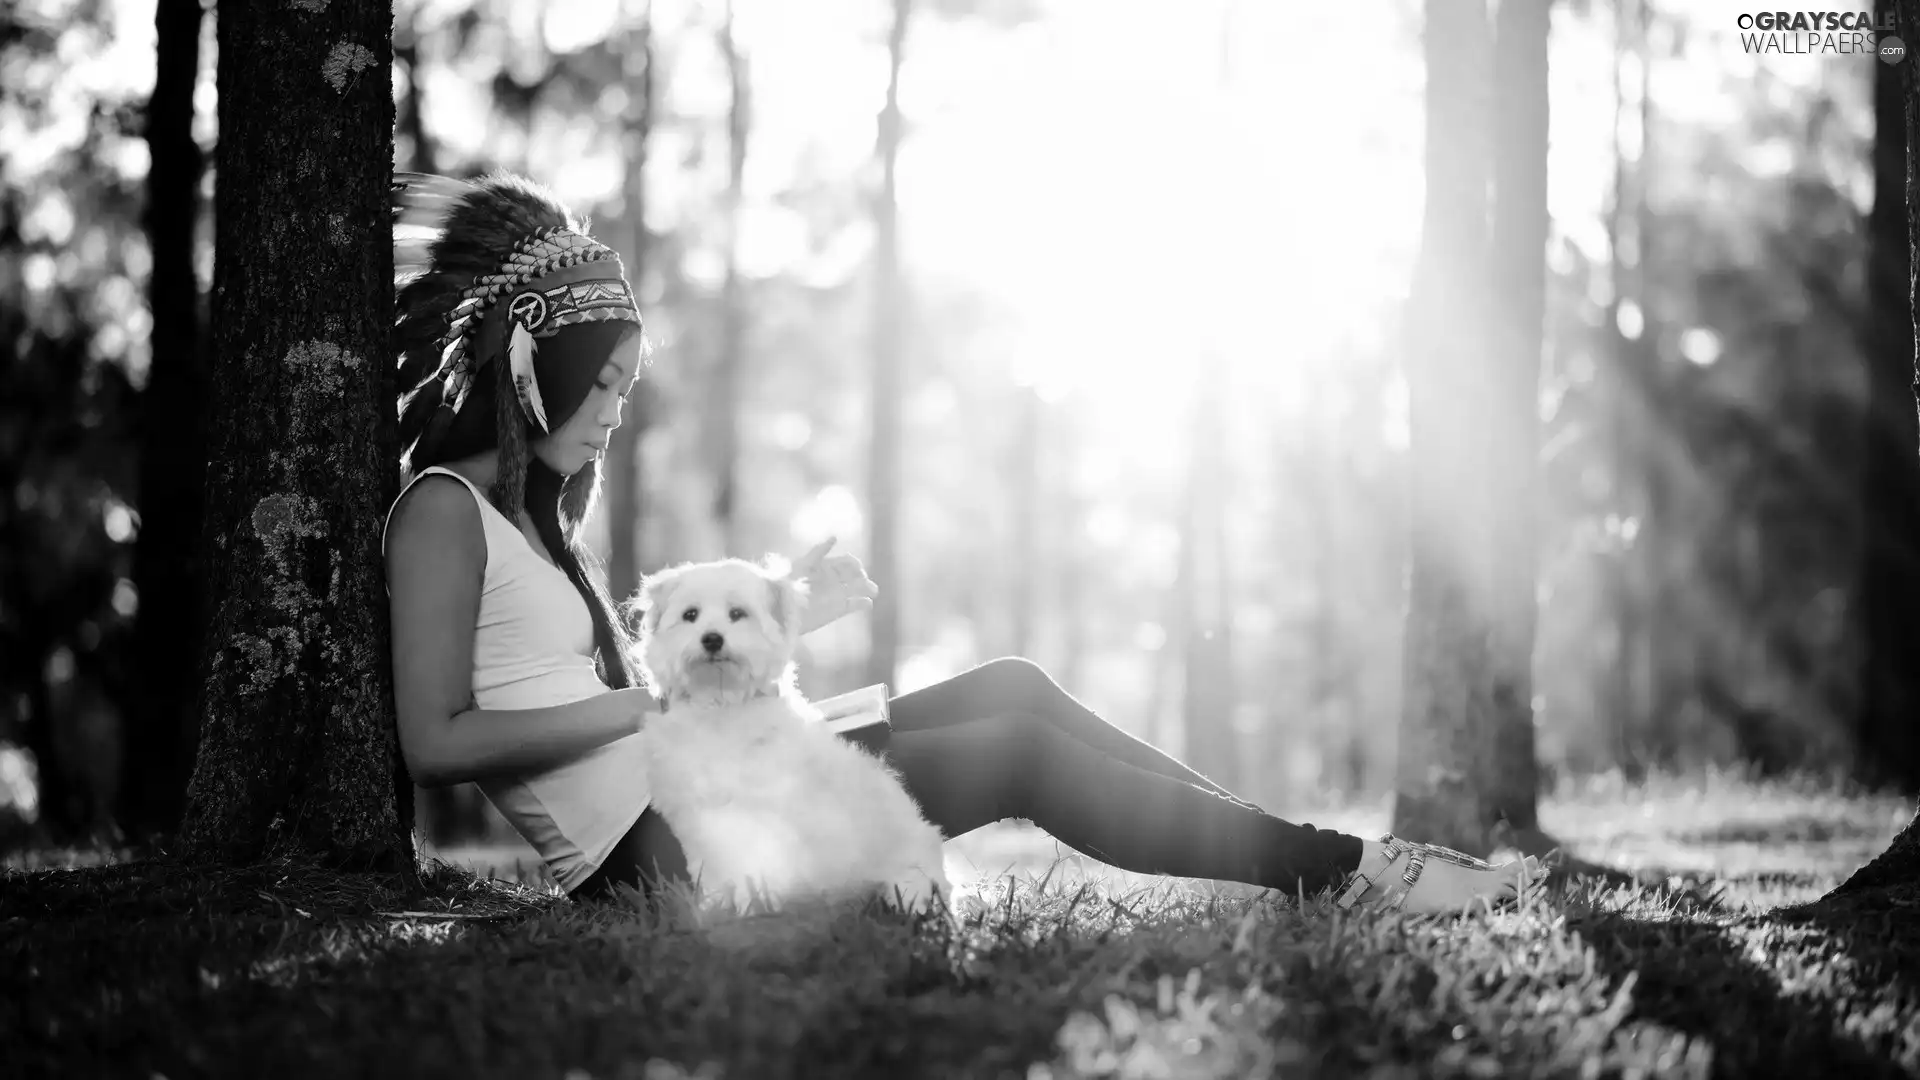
(712, 641)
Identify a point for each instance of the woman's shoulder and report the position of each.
(438, 510)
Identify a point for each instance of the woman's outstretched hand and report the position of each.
(837, 585)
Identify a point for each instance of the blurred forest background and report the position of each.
(1151, 424)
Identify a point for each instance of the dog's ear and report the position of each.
(788, 598)
(646, 604)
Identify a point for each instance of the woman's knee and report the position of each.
(1015, 683)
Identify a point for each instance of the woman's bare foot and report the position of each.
(1443, 886)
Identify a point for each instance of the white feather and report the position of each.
(520, 355)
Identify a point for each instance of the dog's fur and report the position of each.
(767, 802)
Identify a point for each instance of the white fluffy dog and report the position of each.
(767, 802)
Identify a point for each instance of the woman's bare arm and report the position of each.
(436, 561)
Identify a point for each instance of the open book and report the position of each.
(859, 715)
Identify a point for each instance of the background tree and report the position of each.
(625, 479)
(1203, 588)
(1519, 275)
(1023, 468)
(1451, 667)
(1899, 865)
(886, 357)
(724, 394)
(163, 725)
(1889, 592)
(299, 751)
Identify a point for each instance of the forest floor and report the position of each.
(1678, 940)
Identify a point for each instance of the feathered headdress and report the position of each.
(486, 268)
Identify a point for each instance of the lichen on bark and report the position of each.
(346, 60)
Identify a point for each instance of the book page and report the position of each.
(867, 705)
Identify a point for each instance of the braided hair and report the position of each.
(488, 243)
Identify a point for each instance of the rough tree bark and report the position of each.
(1519, 275)
(889, 299)
(1899, 865)
(299, 754)
(624, 477)
(163, 727)
(1887, 730)
(1449, 653)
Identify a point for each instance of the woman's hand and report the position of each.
(837, 585)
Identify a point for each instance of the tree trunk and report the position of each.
(413, 118)
(1888, 720)
(163, 723)
(1023, 469)
(723, 404)
(1900, 863)
(1518, 253)
(1329, 694)
(1068, 528)
(1621, 393)
(889, 299)
(1209, 698)
(624, 478)
(299, 754)
(1449, 658)
(1659, 549)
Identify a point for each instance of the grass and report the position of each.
(1684, 945)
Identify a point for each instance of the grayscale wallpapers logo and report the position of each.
(1821, 33)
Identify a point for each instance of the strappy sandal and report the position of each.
(1360, 880)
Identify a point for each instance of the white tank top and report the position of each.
(533, 648)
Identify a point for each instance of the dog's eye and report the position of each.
(690, 614)
(737, 614)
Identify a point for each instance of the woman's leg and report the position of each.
(1004, 741)
(647, 857)
(1047, 758)
(1011, 685)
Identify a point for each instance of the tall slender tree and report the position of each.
(1450, 667)
(413, 114)
(1519, 275)
(723, 403)
(886, 370)
(1024, 471)
(1638, 686)
(164, 728)
(1888, 719)
(299, 753)
(625, 481)
(1203, 587)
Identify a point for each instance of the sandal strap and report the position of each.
(1359, 881)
